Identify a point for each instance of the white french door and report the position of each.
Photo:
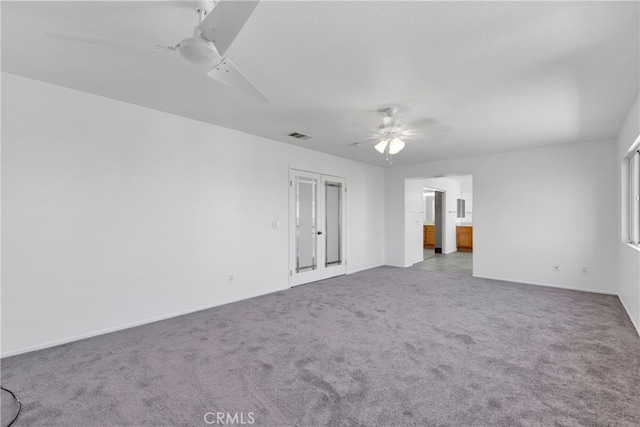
(316, 233)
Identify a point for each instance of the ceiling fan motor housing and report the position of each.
(199, 51)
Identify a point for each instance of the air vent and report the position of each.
(299, 135)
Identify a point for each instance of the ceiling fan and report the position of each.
(218, 25)
(392, 133)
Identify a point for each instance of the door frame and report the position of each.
(322, 271)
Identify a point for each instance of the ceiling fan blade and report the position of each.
(226, 72)
(409, 134)
(425, 122)
(224, 22)
(429, 133)
(439, 129)
(105, 41)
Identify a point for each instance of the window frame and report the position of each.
(631, 195)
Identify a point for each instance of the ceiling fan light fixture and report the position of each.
(199, 51)
(396, 145)
(381, 146)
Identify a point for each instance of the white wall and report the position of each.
(115, 215)
(413, 214)
(531, 209)
(628, 257)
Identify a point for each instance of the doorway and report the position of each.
(432, 222)
(439, 205)
(317, 212)
(450, 246)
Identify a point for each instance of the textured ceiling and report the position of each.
(498, 76)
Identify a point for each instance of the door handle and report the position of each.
(319, 233)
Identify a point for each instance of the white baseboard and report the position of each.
(229, 301)
(595, 291)
(144, 322)
(134, 324)
(633, 322)
(363, 269)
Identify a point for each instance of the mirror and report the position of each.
(461, 208)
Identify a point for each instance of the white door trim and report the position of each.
(321, 270)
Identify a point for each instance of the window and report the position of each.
(633, 193)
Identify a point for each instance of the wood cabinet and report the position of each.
(464, 238)
(429, 236)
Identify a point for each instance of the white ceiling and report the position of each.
(502, 75)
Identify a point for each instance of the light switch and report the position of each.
(275, 225)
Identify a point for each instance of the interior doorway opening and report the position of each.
(432, 225)
(443, 221)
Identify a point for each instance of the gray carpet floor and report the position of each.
(384, 347)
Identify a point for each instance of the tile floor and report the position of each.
(456, 262)
(428, 253)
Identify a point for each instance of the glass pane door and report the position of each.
(306, 223)
(316, 227)
(333, 219)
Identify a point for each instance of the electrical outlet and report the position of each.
(230, 278)
(585, 270)
(556, 267)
